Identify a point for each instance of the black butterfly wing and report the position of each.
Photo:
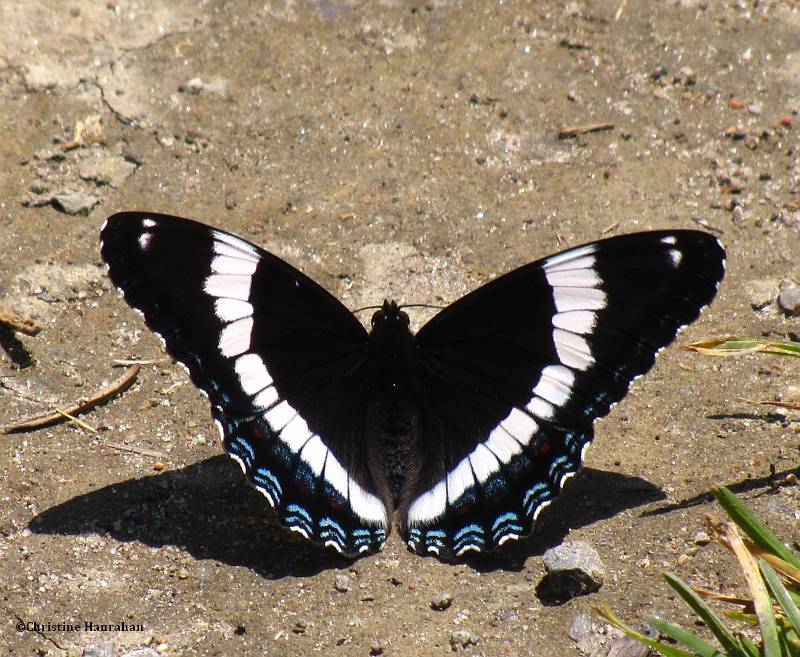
(280, 359)
(516, 373)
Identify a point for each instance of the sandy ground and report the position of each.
(387, 149)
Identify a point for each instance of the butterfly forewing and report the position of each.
(279, 358)
(516, 373)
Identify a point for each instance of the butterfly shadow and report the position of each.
(14, 348)
(591, 496)
(767, 485)
(208, 510)
(205, 508)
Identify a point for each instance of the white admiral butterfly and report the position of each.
(466, 430)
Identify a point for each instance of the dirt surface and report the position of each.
(387, 149)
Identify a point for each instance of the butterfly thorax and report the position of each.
(394, 419)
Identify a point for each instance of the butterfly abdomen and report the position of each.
(393, 416)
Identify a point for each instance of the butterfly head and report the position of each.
(389, 313)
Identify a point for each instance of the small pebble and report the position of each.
(755, 108)
(462, 639)
(658, 72)
(342, 583)
(192, 87)
(686, 77)
(441, 601)
(587, 633)
(683, 559)
(75, 202)
(105, 649)
(701, 538)
(573, 568)
(142, 652)
(762, 293)
(626, 647)
(376, 648)
(789, 298)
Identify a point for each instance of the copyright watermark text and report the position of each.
(78, 626)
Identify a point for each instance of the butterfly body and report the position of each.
(464, 431)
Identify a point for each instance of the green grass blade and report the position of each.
(717, 626)
(791, 644)
(752, 526)
(731, 345)
(608, 615)
(677, 633)
(778, 591)
(749, 647)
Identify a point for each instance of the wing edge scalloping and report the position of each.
(368, 539)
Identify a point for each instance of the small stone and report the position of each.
(299, 627)
(686, 77)
(735, 132)
(701, 538)
(586, 633)
(789, 298)
(506, 615)
(683, 559)
(376, 648)
(573, 568)
(736, 104)
(735, 185)
(658, 72)
(192, 87)
(142, 652)
(737, 214)
(105, 649)
(441, 601)
(755, 108)
(462, 639)
(626, 647)
(762, 293)
(342, 583)
(75, 202)
(41, 76)
(106, 170)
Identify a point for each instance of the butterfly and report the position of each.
(465, 431)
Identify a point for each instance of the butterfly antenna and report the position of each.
(420, 305)
(405, 305)
(358, 310)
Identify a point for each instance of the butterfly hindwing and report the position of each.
(516, 373)
(279, 359)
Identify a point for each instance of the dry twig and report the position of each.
(26, 326)
(136, 450)
(59, 415)
(566, 133)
